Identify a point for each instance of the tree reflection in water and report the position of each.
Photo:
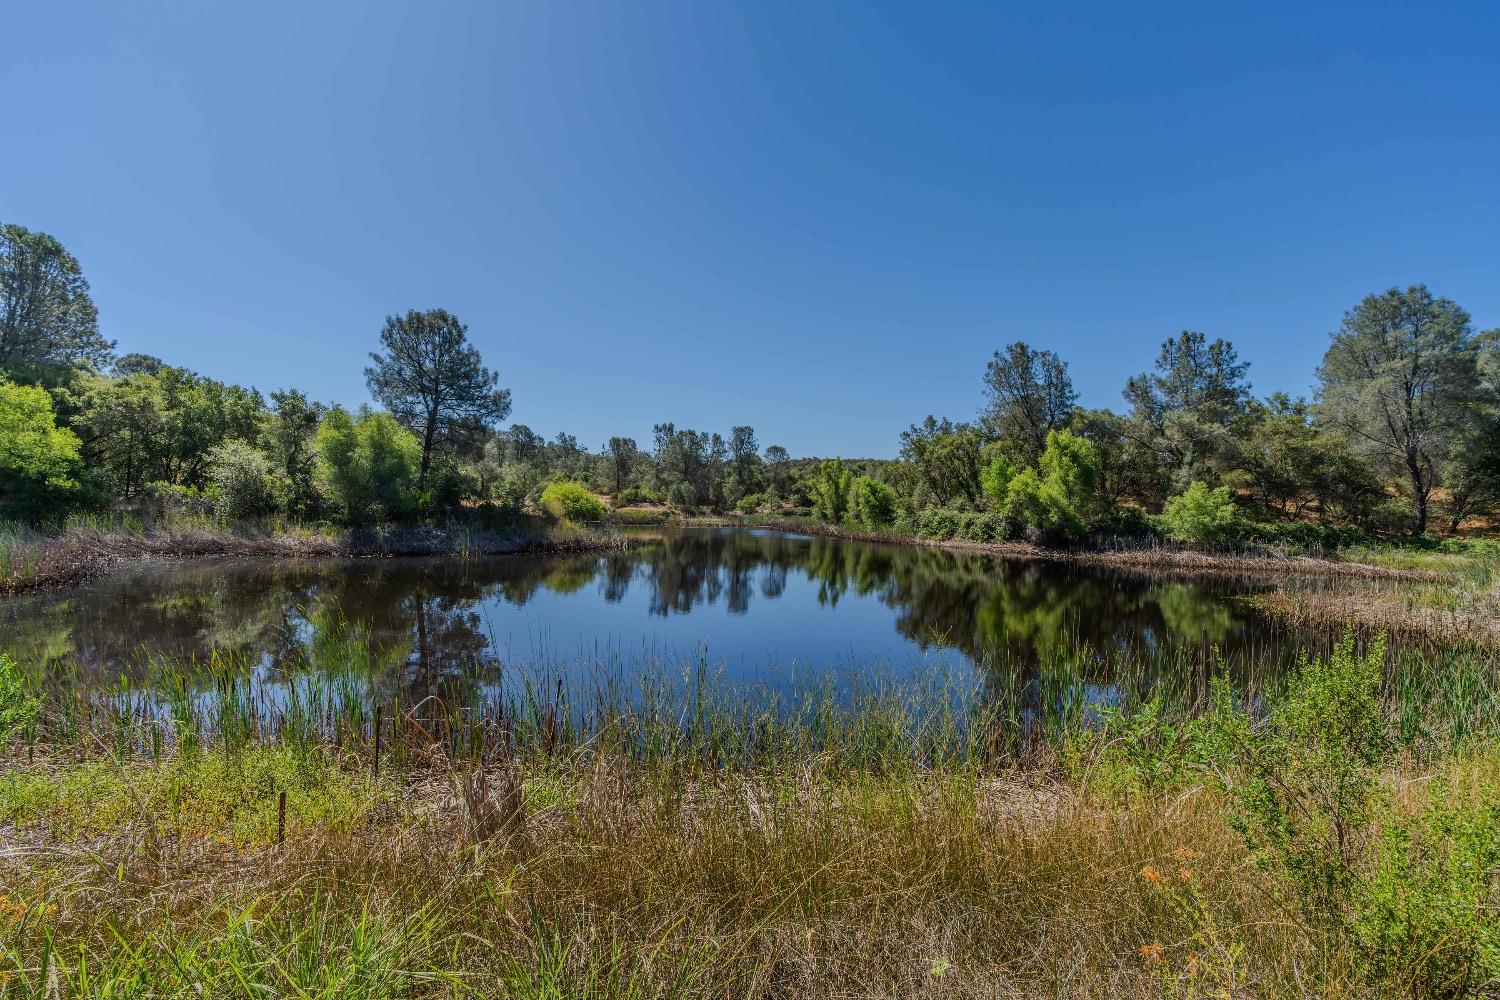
(423, 623)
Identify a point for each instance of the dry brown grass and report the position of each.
(617, 882)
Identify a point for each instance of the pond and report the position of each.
(751, 607)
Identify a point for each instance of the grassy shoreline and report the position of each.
(31, 559)
(159, 851)
(1156, 558)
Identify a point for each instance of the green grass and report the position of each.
(681, 837)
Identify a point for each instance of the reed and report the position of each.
(658, 832)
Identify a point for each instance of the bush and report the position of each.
(871, 502)
(368, 466)
(683, 497)
(1423, 913)
(1056, 497)
(984, 527)
(571, 501)
(242, 477)
(831, 491)
(1391, 516)
(938, 524)
(996, 477)
(1415, 897)
(751, 503)
(38, 460)
(1199, 514)
(1125, 522)
(632, 495)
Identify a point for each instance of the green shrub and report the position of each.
(831, 491)
(996, 477)
(1425, 910)
(571, 501)
(871, 502)
(1055, 498)
(242, 477)
(1305, 781)
(517, 483)
(938, 524)
(1199, 514)
(39, 461)
(368, 466)
(1125, 522)
(683, 497)
(981, 526)
(631, 495)
(751, 503)
(1391, 516)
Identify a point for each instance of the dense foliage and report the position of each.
(1405, 423)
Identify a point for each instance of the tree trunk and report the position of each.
(430, 433)
(1419, 491)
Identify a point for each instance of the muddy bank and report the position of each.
(35, 561)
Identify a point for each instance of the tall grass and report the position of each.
(321, 833)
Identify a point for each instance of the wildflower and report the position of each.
(1192, 964)
(1150, 874)
(1183, 875)
(1151, 952)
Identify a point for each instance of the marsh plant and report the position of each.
(1331, 834)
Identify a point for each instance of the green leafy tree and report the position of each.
(1474, 480)
(287, 437)
(122, 424)
(1400, 383)
(744, 464)
(369, 465)
(947, 457)
(831, 491)
(871, 502)
(39, 461)
(1182, 412)
(1057, 497)
(243, 482)
(778, 462)
(432, 380)
(1028, 393)
(996, 478)
(1199, 514)
(621, 455)
(47, 319)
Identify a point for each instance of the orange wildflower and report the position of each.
(1151, 952)
(1151, 875)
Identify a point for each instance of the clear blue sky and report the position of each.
(818, 218)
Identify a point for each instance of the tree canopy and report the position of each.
(432, 380)
(1400, 382)
(47, 319)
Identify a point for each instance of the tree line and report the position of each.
(1405, 421)
(84, 427)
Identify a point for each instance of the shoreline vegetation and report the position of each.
(1151, 556)
(1408, 592)
(90, 547)
(693, 841)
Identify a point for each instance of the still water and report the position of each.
(752, 606)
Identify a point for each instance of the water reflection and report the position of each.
(753, 599)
